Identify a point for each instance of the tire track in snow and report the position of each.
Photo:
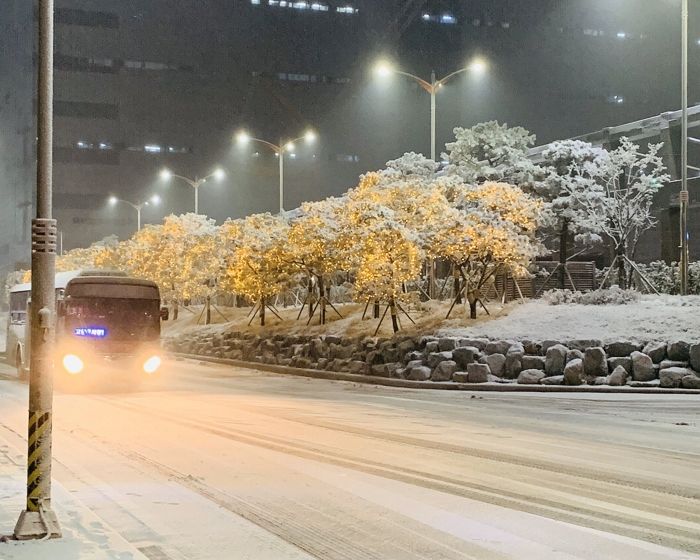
(600, 519)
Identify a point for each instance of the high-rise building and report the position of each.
(17, 133)
(144, 85)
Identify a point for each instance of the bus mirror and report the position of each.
(164, 313)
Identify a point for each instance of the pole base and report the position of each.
(31, 526)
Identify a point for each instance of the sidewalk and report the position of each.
(85, 536)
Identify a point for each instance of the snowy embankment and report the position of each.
(652, 318)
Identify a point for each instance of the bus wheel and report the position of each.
(21, 372)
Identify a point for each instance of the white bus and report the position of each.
(104, 319)
(16, 349)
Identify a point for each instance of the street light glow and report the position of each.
(155, 199)
(478, 66)
(219, 174)
(289, 147)
(383, 69)
(310, 136)
(113, 200)
(242, 137)
(166, 174)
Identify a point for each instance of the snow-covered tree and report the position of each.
(567, 165)
(413, 164)
(489, 228)
(618, 202)
(382, 238)
(180, 256)
(491, 152)
(256, 264)
(313, 247)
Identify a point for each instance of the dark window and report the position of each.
(86, 18)
(84, 109)
(88, 157)
(66, 201)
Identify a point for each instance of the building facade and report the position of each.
(140, 86)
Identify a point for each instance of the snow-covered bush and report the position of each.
(607, 296)
(666, 277)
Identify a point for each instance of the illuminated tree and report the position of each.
(383, 225)
(490, 228)
(180, 256)
(314, 249)
(256, 260)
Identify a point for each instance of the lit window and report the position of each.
(178, 150)
(621, 35)
(152, 148)
(105, 146)
(346, 10)
(448, 19)
(347, 158)
(293, 155)
(300, 5)
(255, 2)
(426, 17)
(616, 99)
(505, 24)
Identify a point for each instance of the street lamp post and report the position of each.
(684, 196)
(195, 183)
(38, 520)
(280, 149)
(477, 66)
(138, 206)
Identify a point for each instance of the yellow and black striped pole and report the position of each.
(38, 520)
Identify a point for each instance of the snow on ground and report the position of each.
(84, 536)
(652, 318)
(232, 464)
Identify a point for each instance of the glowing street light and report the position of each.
(138, 206)
(477, 66)
(279, 149)
(218, 174)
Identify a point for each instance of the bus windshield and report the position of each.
(112, 318)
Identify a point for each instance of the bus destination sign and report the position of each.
(90, 332)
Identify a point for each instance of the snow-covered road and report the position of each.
(212, 462)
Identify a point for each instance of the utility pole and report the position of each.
(684, 197)
(38, 520)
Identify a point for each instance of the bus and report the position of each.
(104, 320)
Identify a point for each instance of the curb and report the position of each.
(441, 385)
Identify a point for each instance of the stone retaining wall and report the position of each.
(469, 360)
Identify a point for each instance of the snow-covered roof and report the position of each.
(648, 127)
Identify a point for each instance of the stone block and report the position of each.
(530, 377)
(555, 359)
(642, 367)
(573, 372)
(444, 371)
(595, 363)
(478, 373)
(678, 351)
(465, 355)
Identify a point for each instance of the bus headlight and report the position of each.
(152, 364)
(72, 364)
